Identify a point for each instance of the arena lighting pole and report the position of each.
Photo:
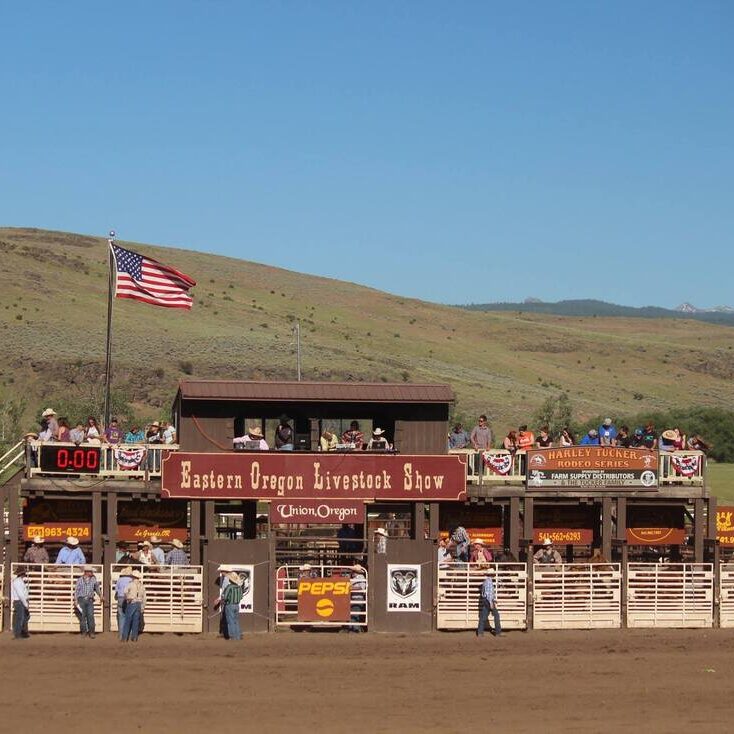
(108, 364)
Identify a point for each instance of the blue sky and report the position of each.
(455, 151)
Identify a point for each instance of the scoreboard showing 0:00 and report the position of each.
(70, 459)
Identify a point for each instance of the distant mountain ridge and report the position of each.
(723, 315)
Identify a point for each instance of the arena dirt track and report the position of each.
(539, 682)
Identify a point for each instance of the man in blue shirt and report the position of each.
(488, 603)
(607, 433)
(126, 577)
(85, 590)
(591, 438)
(71, 554)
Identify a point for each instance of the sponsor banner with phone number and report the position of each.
(564, 536)
(58, 531)
(725, 524)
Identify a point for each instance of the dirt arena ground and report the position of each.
(539, 682)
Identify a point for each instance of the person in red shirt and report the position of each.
(525, 438)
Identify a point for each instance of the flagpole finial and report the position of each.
(112, 234)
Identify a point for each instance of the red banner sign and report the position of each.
(297, 476)
(564, 536)
(313, 512)
(725, 525)
(648, 525)
(136, 533)
(490, 536)
(58, 531)
(656, 536)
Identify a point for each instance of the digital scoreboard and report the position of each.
(70, 459)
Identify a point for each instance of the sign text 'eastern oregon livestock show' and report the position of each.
(314, 476)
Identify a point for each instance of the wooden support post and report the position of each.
(195, 533)
(622, 518)
(513, 542)
(4, 559)
(272, 584)
(433, 520)
(97, 539)
(249, 519)
(711, 527)
(13, 555)
(606, 527)
(418, 521)
(110, 549)
(527, 530)
(698, 530)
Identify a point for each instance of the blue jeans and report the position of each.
(131, 625)
(484, 611)
(232, 618)
(120, 617)
(20, 620)
(86, 615)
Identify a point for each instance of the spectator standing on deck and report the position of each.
(566, 439)
(71, 554)
(624, 440)
(607, 433)
(77, 434)
(591, 438)
(650, 436)
(479, 554)
(544, 441)
(135, 435)
(284, 435)
(113, 432)
(509, 442)
(548, 554)
(36, 553)
(168, 432)
(125, 579)
(52, 423)
(488, 603)
(458, 438)
(231, 597)
(85, 590)
(91, 431)
(481, 435)
(525, 438)
(177, 555)
(19, 600)
(134, 607)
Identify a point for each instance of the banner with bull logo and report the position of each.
(247, 574)
(403, 587)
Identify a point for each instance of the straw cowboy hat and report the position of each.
(378, 432)
(176, 543)
(38, 540)
(477, 541)
(305, 567)
(670, 435)
(31, 435)
(234, 577)
(155, 424)
(547, 541)
(147, 544)
(381, 531)
(136, 574)
(223, 568)
(154, 539)
(88, 569)
(48, 412)
(71, 540)
(127, 571)
(255, 431)
(358, 568)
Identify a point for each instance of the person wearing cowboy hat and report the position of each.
(357, 602)
(153, 433)
(548, 554)
(134, 607)
(71, 554)
(231, 597)
(124, 580)
(479, 553)
(50, 422)
(380, 540)
(488, 601)
(145, 554)
(253, 440)
(177, 555)
(36, 553)
(20, 602)
(378, 442)
(87, 587)
(159, 555)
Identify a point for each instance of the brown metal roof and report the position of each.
(343, 392)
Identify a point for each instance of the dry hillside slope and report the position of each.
(53, 313)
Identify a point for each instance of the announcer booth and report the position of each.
(296, 523)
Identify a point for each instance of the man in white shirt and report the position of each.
(19, 599)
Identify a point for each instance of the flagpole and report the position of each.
(108, 364)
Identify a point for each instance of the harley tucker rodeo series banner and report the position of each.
(593, 466)
(314, 476)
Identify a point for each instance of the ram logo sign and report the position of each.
(403, 587)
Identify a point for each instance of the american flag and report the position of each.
(147, 280)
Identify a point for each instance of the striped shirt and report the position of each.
(86, 587)
(177, 557)
(488, 592)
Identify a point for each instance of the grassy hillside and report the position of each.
(53, 309)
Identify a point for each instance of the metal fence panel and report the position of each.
(51, 596)
(174, 597)
(670, 595)
(286, 595)
(577, 596)
(458, 589)
(726, 595)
